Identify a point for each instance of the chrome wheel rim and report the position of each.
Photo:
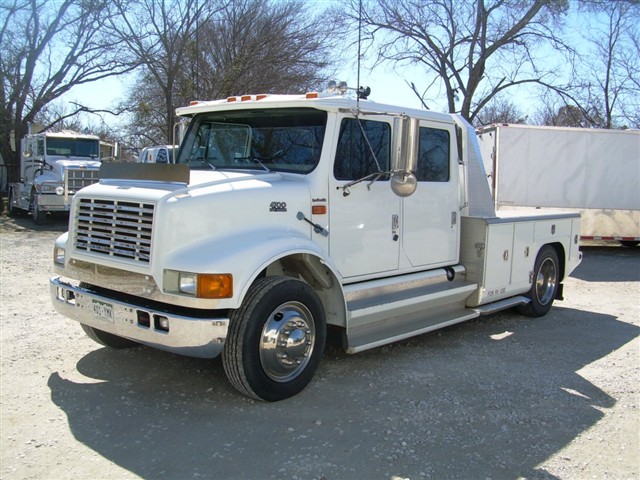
(546, 281)
(287, 341)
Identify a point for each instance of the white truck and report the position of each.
(53, 167)
(593, 171)
(286, 215)
(158, 154)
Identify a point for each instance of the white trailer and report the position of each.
(286, 214)
(595, 172)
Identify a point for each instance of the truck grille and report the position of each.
(115, 228)
(80, 178)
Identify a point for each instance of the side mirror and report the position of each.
(403, 184)
(404, 155)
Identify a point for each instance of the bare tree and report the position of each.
(500, 110)
(474, 50)
(159, 34)
(46, 49)
(610, 72)
(563, 116)
(604, 86)
(248, 46)
(265, 46)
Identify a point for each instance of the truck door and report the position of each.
(364, 217)
(431, 223)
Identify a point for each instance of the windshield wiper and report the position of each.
(259, 160)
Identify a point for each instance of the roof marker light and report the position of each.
(232, 99)
(312, 95)
(244, 98)
(193, 102)
(261, 96)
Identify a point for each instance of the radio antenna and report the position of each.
(359, 51)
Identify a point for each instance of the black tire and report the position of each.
(546, 278)
(629, 243)
(108, 339)
(275, 340)
(12, 211)
(39, 216)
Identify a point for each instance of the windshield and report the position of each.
(284, 140)
(73, 147)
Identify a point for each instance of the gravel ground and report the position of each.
(502, 397)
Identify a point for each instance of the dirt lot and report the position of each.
(502, 397)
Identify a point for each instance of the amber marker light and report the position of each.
(215, 285)
(319, 210)
(312, 95)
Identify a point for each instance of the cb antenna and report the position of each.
(361, 92)
(359, 48)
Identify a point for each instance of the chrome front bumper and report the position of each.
(201, 337)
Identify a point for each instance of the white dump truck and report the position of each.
(593, 171)
(53, 167)
(286, 215)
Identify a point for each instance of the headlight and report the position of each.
(199, 285)
(51, 188)
(58, 256)
(187, 283)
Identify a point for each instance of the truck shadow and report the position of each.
(57, 222)
(492, 398)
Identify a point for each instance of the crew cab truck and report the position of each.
(286, 215)
(53, 167)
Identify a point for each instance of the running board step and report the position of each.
(501, 305)
(376, 321)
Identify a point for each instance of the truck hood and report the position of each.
(61, 165)
(213, 208)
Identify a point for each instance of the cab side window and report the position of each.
(433, 155)
(354, 158)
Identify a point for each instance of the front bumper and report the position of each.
(193, 336)
(51, 202)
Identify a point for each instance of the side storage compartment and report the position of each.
(498, 255)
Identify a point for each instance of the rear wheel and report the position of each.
(546, 278)
(276, 339)
(629, 243)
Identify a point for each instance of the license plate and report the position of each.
(103, 311)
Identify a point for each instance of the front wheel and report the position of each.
(39, 216)
(276, 339)
(546, 278)
(12, 210)
(108, 339)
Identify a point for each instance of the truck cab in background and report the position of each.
(158, 154)
(53, 167)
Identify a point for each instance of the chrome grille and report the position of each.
(80, 178)
(115, 228)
